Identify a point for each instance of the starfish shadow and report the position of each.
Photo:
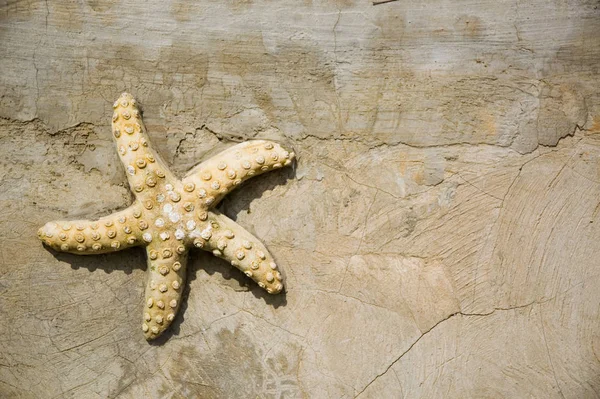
(127, 260)
(212, 265)
(241, 198)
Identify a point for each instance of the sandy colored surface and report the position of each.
(439, 236)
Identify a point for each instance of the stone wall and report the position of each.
(440, 233)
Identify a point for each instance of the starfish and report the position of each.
(170, 216)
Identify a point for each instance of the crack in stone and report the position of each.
(459, 313)
(368, 213)
(549, 356)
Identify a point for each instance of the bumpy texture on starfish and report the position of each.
(170, 216)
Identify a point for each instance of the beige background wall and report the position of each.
(440, 233)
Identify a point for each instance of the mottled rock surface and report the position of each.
(440, 233)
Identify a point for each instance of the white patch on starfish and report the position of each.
(174, 217)
(207, 232)
(195, 234)
(191, 225)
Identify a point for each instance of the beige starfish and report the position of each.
(170, 216)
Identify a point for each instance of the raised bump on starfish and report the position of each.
(170, 216)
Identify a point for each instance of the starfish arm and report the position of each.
(230, 241)
(164, 286)
(146, 172)
(111, 233)
(220, 174)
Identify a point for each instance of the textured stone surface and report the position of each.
(440, 233)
